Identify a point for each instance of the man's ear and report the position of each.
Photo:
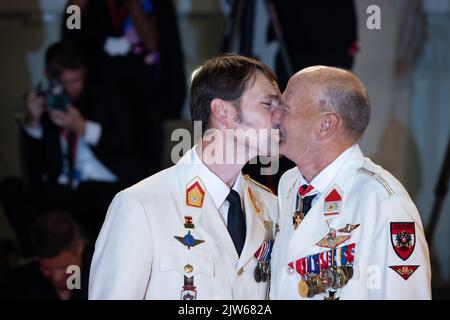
(328, 125)
(219, 111)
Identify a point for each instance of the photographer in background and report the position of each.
(81, 144)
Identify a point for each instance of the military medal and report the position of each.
(306, 288)
(297, 219)
(262, 255)
(258, 272)
(303, 288)
(327, 277)
(299, 213)
(265, 271)
(340, 279)
(323, 271)
(189, 291)
(348, 272)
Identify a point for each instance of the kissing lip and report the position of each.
(280, 133)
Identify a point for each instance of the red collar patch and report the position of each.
(332, 203)
(403, 238)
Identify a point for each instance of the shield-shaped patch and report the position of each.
(403, 238)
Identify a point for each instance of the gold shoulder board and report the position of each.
(248, 178)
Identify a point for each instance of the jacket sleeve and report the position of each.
(121, 265)
(399, 270)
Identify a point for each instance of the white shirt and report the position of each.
(215, 186)
(86, 162)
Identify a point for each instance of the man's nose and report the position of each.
(276, 116)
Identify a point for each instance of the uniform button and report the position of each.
(188, 268)
(241, 271)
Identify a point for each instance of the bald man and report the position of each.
(347, 228)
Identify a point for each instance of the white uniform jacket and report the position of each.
(164, 238)
(365, 208)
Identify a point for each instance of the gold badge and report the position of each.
(194, 193)
(297, 219)
(188, 268)
(303, 288)
(331, 240)
(268, 224)
(348, 228)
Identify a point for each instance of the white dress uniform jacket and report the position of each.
(375, 213)
(137, 254)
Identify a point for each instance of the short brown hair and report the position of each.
(53, 233)
(64, 55)
(225, 77)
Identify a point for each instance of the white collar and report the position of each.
(217, 189)
(326, 176)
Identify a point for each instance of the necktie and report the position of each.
(236, 221)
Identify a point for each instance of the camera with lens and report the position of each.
(53, 93)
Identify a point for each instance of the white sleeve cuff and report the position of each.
(93, 133)
(35, 133)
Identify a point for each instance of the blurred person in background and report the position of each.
(82, 143)
(316, 33)
(134, 47)
(57, 245)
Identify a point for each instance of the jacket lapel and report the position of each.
(309, 232)
(255, 227)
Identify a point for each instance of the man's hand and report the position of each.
(35, 106)
(70, 119)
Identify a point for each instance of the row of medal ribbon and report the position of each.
(262, 255)
(324, 271)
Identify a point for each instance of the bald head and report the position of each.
(336, 90)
